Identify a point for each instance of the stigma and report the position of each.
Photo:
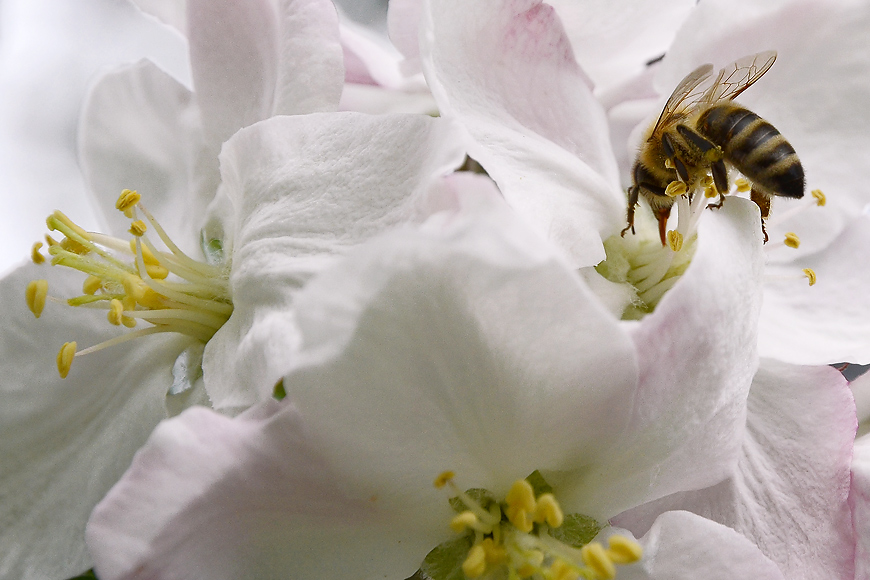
(133, 281)
(518, 537)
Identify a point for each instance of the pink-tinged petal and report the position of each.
(139, 130)
(234, 56)
(253, 497)
(788, 492)
(403, 22)
(311, 61)
(65, 442)
(859, 501)
(830, 321)
(683, 546)
(469, 346)
(697, 356)
(301, 190)
(375, 60)
(814, 94)
(506, 70)
(614, 40)
(861, 391)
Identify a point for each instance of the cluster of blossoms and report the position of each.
(368, 269)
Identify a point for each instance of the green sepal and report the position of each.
(538, 483)
(577, 530)
(445, 561)
(481, 496)
(89, 575)
(278, 393)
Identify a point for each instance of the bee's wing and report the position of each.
(684, 96)
(739, 76)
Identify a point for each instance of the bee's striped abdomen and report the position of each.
(754, 147)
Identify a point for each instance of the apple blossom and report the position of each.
(508, 72)
(465, 345)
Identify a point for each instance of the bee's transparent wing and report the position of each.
(739, 76)
(684, 96)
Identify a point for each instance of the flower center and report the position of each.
(134, 281)
(649, 269)
(525, 536)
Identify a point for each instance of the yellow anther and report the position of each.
(65, 358)
(742, 184)
(820, 197)
(811, 275)
(792, 240)
(548, 510)
(128, 322)
(35, 294)
(520, 503)
(156, 272)
(675, 240)
(91, 285)
(562, 570)
(127, 201)
(595, 557)
(149, 258)
(138, 228)
(444, 478)
(495, 554)
(116, 311)
(137, 290)
(623, 550)
(669, 163)
(675, 188)
(73, 246)
(707, 181)
(35, 255)
(710, 192)
(463, 521)
(475, 563)
(50, 241)
(714, 154)
(61, 217)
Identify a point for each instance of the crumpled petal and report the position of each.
(507, 72)
(297, 191)
(788, 491)
(830, 321)
(682, 546)
(65, 442)
(139, 130)
(814, 94)
(859, 501)
(697, 356)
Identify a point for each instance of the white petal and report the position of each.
(471, 348)
(828, 322)
(65, 442)
(859, 500)
(507, 72)
(302, 190)
(814, 94)
(789, 489)
(697, 356)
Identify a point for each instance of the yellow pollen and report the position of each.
(475, 564)
(707, 181)
(742, 184)
(811, 275)
(562, 570)
(520, 503)
(714, 154)
(495, 554)
(595, 556)
(443, 478)
(463, 521)
(675, 188)
(91, 285)
(35, 294)
(710, 192)
(820, 197)
(548, 510)
(675, 240)
(623, 550)
(138, 228)
(669, 163)
(65, 358)
(127, 201)
(792, 240)
(35, 255)
(116, 311)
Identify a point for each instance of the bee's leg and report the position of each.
(632, 202)
(671, 155)
(720, 181)
(762, 200)
(662, 214)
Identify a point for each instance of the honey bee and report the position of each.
(702, 133)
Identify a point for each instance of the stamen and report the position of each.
(464, 521)
(742, 184)
(548, 510)
(819, 197)
(520, 503)
(792, 240)
(65, 358)
(675, 188)
(138, 228)
(811, 275)
(622, 550)
(595, 556)
(127, 201)
(91, 285)
(475, 564)
(675, 240)
(35, 295)
(443, 479)
(35, 255)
